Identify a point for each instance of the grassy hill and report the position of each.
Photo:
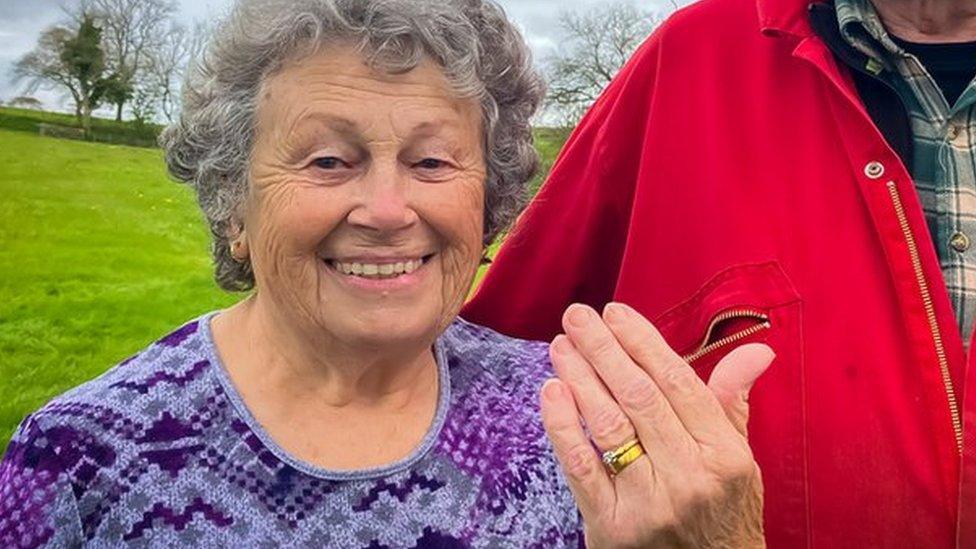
(99, 253)
(103, 130)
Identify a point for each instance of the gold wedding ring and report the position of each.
(620, 457)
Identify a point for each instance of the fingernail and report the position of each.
(579, 315)
(560, 345)
(552, 389)
(614, 312)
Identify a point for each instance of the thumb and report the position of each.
(734, 377)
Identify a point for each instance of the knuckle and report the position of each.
(653, 353)
(603, 346)
(559, 429)
(579, 462)
(640, 396)
(679, 378)
(610, 425)
(575, 375)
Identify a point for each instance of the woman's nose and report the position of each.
(384, 205)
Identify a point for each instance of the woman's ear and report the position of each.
(239, 249)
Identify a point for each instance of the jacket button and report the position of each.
(874, 170)
(959, 242)
(952, 131)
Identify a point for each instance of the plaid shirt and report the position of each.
(944, 158)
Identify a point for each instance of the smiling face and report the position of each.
(365, 213)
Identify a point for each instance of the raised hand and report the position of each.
(696, 483)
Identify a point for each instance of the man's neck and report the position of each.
(929, 21)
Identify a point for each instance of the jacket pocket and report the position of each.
(728, 329)
(746, 304)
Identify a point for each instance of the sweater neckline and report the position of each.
(243, 413)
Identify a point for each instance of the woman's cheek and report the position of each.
(282, 235)
(269, 255)
(305, 213)
(459, 270)
(460, 264)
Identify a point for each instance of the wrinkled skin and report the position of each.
(927, 21)
(698, 484)
(355, 165)
(337, 171)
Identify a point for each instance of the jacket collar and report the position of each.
(784, 17)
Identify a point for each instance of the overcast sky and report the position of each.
(21, 21)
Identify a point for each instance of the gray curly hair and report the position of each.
(484, 57)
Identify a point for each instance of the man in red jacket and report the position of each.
(802, 175)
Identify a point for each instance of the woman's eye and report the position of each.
(328, 163)
(431, 164)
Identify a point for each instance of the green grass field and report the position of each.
(99, 254)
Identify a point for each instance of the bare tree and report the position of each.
(167, 64)
(43, 67)
(132, 30)
(70, 60)
(596, 44)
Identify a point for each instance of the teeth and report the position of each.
(376, 270)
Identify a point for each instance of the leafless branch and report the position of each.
(131, 31)
(596, 44)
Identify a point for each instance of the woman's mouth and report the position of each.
(378, 269)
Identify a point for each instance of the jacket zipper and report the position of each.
(929, 311)
(853, 64)
(859, 65)
(705, 347)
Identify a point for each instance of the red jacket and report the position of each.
(731, 177)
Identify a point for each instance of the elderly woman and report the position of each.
(352, 158)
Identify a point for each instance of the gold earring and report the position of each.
(235, 251)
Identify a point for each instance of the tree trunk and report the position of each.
(118, 112)
(86, 111)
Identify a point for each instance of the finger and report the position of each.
(589, 482)
(695, 406)
(733, 378)
(608, 425)
(637, 394)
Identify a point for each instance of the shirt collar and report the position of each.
(861, 27)
(778, 17)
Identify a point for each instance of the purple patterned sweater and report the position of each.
(161, 451)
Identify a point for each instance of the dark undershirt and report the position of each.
(952, 65)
